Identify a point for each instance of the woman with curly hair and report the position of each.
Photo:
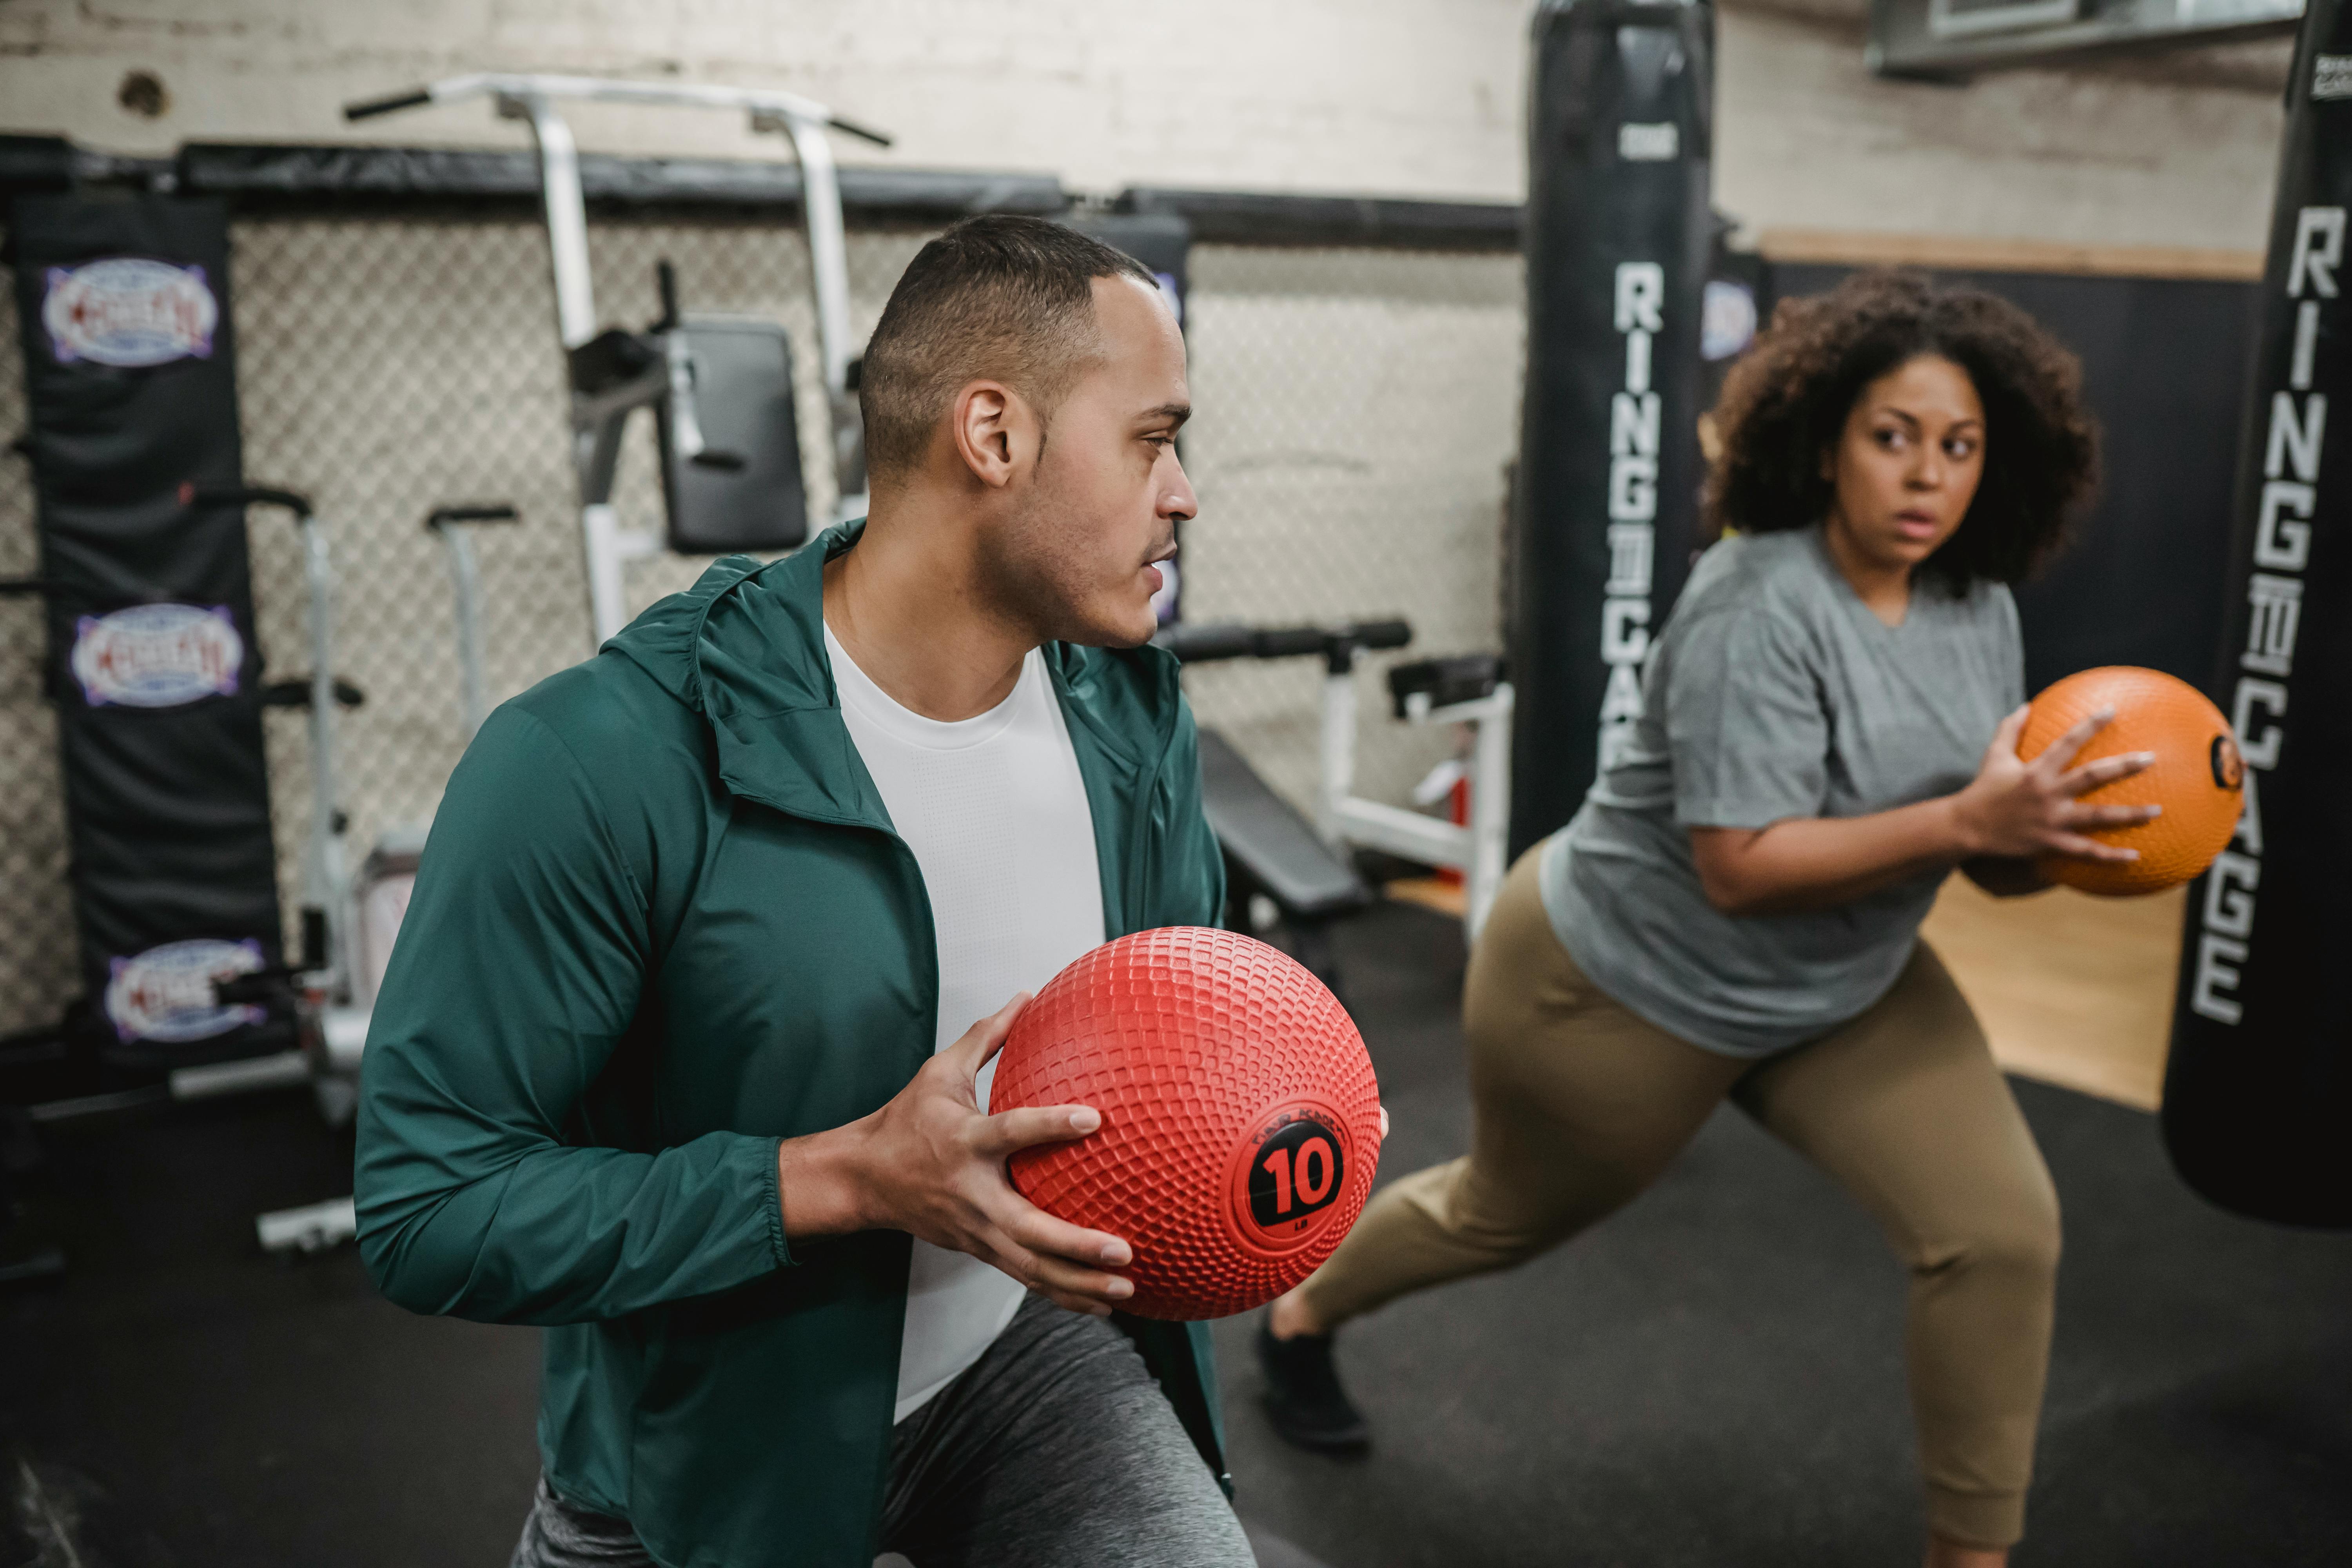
(1830, 725)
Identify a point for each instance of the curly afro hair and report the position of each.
(1785, 405)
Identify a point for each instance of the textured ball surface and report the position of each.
(2197, 776)
(1241, 1119)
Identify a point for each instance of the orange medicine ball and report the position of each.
(2197, 776)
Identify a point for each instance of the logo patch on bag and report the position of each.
(1658, 143)
(157, 655)
(130, 312)
(166, 992)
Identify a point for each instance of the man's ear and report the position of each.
(993, 431)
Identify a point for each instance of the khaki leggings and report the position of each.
(1580, 1105)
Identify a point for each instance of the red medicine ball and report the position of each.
(1241, 1119)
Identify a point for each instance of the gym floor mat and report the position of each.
(1714, 1377)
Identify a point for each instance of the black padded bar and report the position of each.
(369, 107)
(1226, 639)
(495, 511)
(1290, 642)
(296, 176)
(48, 165)
(290, 174)
(863, 133)
(244, 495)
(1202, 643)
(30, 163)
(1464, 678)
(1267, 217)
(296, 693)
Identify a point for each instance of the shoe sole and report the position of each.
(1319, 1442)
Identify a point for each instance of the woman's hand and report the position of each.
(2014, 808)
(2012, 811)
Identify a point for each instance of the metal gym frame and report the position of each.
(1477, 848)
(597, 418)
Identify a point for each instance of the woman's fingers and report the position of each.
(2000, 759)
(2004, 738)
(2106, 771)
(2084, 849)
(2112, 815)
(2063, 750)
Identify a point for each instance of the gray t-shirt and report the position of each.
(1774, 692)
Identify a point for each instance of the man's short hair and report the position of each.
(1004, 298)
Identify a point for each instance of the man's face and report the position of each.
(1078, 558)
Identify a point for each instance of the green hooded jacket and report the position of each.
(662, 923)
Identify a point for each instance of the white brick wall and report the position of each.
(1408, 97)
(2103, 156)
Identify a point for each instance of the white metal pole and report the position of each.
(567, 218)
(599, 532)
(820, 221)
(323, 876)
(465, 578)
(1339, 748)
(1490, 810)
(575, 323)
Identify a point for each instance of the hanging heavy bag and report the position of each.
(130, 376)
(2258, 1087)
(1605, 504)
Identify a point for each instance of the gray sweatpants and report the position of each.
(1054, 1450)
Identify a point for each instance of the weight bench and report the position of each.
(1271, 850)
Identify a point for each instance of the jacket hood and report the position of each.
(744, 648)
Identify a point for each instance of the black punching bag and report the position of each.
(130, 362)
(2258, 1096)
(1617, 237)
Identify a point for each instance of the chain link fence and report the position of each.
(1355, 412)
(37, 929)
(1356, 409)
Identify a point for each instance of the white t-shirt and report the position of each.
(996, 813)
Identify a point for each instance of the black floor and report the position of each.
(196, 1402)
(1712, 1378)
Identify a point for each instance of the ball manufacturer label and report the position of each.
(1287, 1177)
(2227, 765)
(157, 655)
(166, 992)
(129, 311)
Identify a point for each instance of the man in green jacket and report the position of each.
(677, 1055)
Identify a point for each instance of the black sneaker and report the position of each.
(1303, 1397)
